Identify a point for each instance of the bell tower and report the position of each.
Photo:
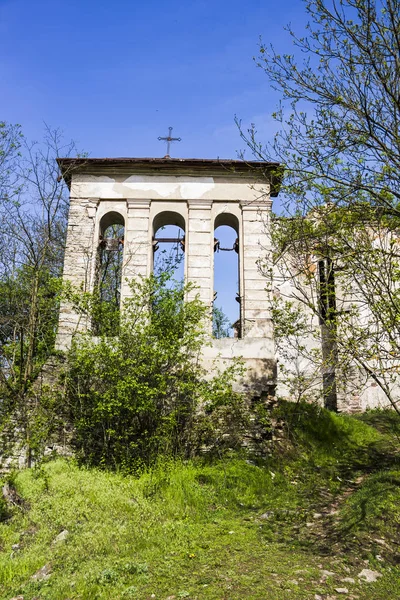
(137, 196)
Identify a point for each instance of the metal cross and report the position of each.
(169, 139)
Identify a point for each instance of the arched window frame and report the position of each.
(229, 219)
(108, 219)
(163, 219)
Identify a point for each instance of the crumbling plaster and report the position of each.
(167, 187)
(198, 196)
(199, 202)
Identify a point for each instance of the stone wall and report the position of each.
(197, 203)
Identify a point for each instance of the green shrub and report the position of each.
(136, 396)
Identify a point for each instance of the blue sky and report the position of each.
(115, 75)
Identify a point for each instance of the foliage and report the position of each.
(10, 143)
(15, 304)
(135, 396)
(297, 341)
(339, 141)
(33, 217)
(214, 529)
(220, 324)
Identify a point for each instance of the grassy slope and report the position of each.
(227, 530)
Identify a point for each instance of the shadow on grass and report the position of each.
(368, 442)
(367, 522)
(385, 421)
(357, 460)
(375, 505)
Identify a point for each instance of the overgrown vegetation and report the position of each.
(323, 507)
(221, 326)
(143, 393)
(33, 219)
(338, 138)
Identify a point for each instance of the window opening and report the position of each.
(169, 247)
(110, 255)
(226, 305)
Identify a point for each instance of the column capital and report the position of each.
(265, 205)
(134, 203)
(194, 203)
(91, 207)
(85, 199)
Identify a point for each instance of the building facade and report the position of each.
(137, 197)
(143, 195)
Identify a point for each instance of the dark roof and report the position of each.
(257, 170)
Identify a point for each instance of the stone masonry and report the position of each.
(198, 195)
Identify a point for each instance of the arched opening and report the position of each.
(110, 254)
(169, 245)
(226, 305)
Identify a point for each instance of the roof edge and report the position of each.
(272, 171)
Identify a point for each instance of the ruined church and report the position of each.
(137, 197)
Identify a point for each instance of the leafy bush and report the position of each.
(136, 395)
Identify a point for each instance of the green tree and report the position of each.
(221, 325)
(339, 135)
(33, 213)
(135, 396)
(10, 143)
(339, 141)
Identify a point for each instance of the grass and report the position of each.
(228, 529)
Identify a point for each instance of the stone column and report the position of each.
(199, 249)
(137, 246)
(256, 313)
(79, 264)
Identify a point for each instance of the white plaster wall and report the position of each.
(167, 187)
(356, 391)
(256, 247)
(289, 362)
(137, 247)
